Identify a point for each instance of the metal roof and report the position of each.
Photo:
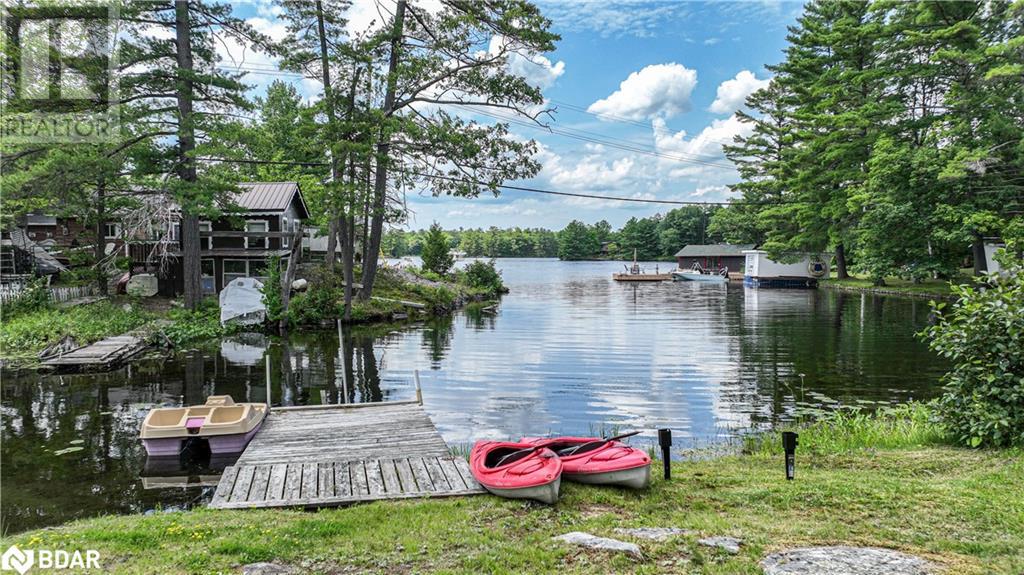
(713, 250)
(268, 196)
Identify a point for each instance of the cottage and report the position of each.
(804, 272)
(273, 213)
(714, 256)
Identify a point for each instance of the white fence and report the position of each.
(11, 292)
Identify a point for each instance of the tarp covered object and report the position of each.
(241, 301)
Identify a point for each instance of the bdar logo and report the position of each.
(16, 559)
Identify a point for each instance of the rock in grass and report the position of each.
(602, 543)
(729, 544)
(268, 569)
(652, 533)
(844, 560)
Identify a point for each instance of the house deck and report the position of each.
(323, 456)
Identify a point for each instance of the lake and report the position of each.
(568, 351)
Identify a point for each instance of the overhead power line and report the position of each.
(515, 188)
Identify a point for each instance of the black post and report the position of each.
(665, 441)
(789, 443)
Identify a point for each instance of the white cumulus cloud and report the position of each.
(702, 149)
(732, 93)
(657, 91)
(535, 68)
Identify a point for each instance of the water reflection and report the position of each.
(567, 351)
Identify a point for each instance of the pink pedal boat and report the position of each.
(227, 426)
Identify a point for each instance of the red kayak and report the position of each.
(517, 470)
(598, 461)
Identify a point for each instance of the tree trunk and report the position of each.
(978, 251)
(186, 163)
(332, 243)
(380, 184)
(841, 272)
(101, 237)
(289, 277)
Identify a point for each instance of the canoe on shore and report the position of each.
(517, 470)
(598, 461)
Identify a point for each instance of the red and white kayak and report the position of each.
(598, 461)
(517, 470)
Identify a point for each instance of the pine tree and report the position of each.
(436, 253)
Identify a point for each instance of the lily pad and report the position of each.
(68, 450)
(77, 442)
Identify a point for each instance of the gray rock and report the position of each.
(652, 533)
(268, 569)
(729, 544)
(602, 543)
(842, 560)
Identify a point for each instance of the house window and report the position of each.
(207, 272)
(175, 232)
(234, 269)
(205, 243)
(258, 270)
(111, 231)
(256, 226)
(286, 229)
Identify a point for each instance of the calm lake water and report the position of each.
(568, 351)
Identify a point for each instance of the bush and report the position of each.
(192, 326)
(272, 297)
(483, 276)
(31, 332)
(436, 252)
(982, 334)
(35, 297)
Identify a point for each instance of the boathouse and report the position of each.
(803, 271)
(714, 256)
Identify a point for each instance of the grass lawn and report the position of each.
(962, 509)
(926, 287)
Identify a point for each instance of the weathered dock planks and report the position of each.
(104, 354)
(333, 455)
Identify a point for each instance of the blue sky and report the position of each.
(660, 77)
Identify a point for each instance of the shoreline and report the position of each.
(834, 284)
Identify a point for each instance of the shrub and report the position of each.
(30, 332)
(436, 251)
(192, 326)
(982, 335)
(483, 276)
(35, 297)
(272, 297)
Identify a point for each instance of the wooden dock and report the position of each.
(641, 277)
(104, 354)
(322, 456)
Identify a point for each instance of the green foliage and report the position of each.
(30, 332)
(577, 241)
(34, 297)
(483, 276)
(190, 327)
(908, 426)
(436, 254)
(272, 296)
(315, 305)
(982, 335)
(890, 131)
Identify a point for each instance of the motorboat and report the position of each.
(227, 426)
(697, 273)
(517, 470)
(598, 461)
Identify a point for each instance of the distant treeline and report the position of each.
(658, 237)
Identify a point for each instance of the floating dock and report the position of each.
(323, 456)
(104, 354)
(641, 277)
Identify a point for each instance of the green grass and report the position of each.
(926, 287)
(907, 426)
(24, 335)
(893, 484)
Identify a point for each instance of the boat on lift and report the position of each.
(697, 273)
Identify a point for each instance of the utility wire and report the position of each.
(516, 188)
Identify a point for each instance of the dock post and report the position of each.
(267, 357)
(342, 358)
(419, 390)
